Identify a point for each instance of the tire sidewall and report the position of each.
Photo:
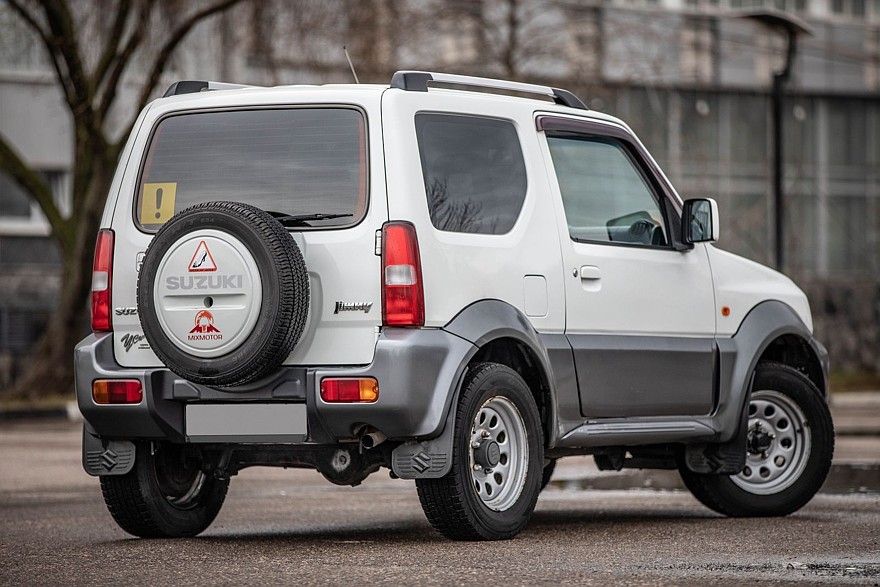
(169, 519)
(500, 381)
(737, 501)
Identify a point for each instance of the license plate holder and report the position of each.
(246, 423)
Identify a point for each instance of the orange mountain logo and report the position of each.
(204, 328)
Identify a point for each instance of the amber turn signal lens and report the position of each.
(340, 390)
(117, 391)
(725, 311)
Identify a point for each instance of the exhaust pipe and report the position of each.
(372, 439)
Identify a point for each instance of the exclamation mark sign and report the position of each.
(159, 203)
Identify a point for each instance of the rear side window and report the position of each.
(292, 161)
(475, 176)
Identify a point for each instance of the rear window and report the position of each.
(291, 161)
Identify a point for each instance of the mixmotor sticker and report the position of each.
(204, 328)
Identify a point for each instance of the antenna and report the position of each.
(351, 65)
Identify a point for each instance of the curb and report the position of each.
(843, 478)
(70, 412)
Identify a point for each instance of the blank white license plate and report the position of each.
(246, 423)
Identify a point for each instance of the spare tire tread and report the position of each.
(285, 302)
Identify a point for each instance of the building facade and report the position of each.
(692, 77)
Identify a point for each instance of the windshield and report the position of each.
(297, 161)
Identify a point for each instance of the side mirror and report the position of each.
(699, 221)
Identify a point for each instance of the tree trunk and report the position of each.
(49, 370)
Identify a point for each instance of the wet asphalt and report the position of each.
(292, 527)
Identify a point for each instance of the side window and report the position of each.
(475, 176)
(605, 196)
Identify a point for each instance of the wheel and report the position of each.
(165, 495)
(790, 444)
(547, 474)
(497, 460)
(223, 294)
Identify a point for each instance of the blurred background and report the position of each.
(696, 79)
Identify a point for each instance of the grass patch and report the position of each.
(41, 403)
(846, 381)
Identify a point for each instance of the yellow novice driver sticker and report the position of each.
(157, 203)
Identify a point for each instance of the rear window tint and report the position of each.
(293, 161)
(475, 176)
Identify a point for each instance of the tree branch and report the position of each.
(122, 60)
(179, 34)
(38, 189)
(64, 43)
(108, 55)
(48, 44)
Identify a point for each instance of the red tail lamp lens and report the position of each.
(117, 391)
(364, 390)
(102, 281)
(403, 297)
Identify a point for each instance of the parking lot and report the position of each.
(285, 527)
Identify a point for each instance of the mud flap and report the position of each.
(428, 459)
(728, 458)
(106, 457)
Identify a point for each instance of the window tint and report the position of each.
(295, 161)
(605, 197)
(14, 201)
(475, 176)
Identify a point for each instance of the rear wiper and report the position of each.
(303, 219)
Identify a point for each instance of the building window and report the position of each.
(19, 214)
(698, 50)
(784, 5)
(849, 8)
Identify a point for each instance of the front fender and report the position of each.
(739, 355)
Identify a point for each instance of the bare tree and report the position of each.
(92, 47)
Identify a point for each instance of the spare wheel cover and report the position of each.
(208, 293)
(223, 294)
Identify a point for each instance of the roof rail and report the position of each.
(417, 81)
(194, 86)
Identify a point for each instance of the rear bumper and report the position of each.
(418, 371)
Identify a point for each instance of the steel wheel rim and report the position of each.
(777, 423)
(500, 485)
(180, 485)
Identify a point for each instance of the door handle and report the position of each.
(590, 272)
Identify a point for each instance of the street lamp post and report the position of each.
(791, 26)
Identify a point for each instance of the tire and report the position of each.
(547, 473)
(791, 442)
(496, 410)
(263, 266)
(165, 495)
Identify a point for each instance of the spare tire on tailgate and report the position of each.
(223, 294)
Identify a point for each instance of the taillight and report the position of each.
(403, 298)
(117, 391)
(102, 280)
(346, 389)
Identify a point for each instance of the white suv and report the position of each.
(436, 277)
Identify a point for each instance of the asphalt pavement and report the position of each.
(291, 527)
(855, 468)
